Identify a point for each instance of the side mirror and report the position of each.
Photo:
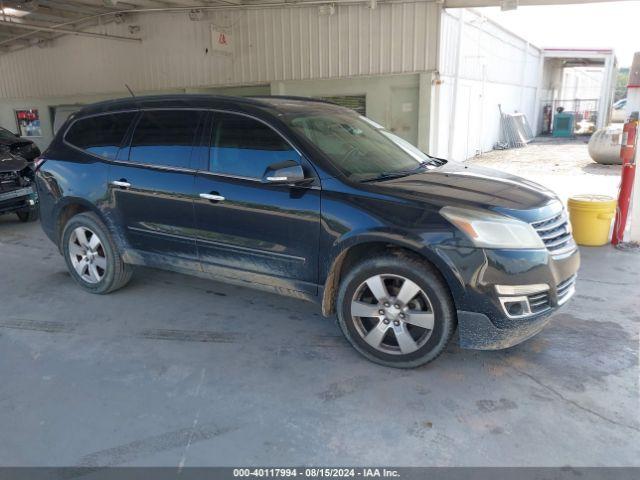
(284, 173)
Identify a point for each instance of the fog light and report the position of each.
(514, 308)
(516, 303)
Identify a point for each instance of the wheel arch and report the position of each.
(358, 249)
(72, 206)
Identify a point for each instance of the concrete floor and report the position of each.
(174, 370)
(557, 163)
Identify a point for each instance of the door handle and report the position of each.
(212, 197)
(120, 183)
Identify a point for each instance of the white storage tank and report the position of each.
(604, 145)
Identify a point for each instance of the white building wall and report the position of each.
(581, 83)
(481, 66)
(269, 44)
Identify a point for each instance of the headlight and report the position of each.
(490, 230)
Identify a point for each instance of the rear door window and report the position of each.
(100, 135)
(165, 137)
(245, 147)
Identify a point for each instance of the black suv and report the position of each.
(308, 199)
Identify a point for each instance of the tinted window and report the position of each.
(165, 137)
(245, 147)
(101, 135)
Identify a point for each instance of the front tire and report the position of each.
(396, 310)
(91, 255)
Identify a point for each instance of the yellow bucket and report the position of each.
(591, 217)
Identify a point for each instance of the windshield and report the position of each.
(359, 147)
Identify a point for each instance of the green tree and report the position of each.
(621, 84)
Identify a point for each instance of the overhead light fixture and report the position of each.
(14, 12)
(507, 5)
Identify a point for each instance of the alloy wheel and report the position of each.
(392, 314)
(87, 255)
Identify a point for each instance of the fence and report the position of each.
(585, 110)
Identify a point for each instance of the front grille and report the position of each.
(539, 302)
(555, 232)
(9, 181)
(564, 288)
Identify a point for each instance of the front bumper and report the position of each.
(477, 332)
(492, 277)
(20, 199)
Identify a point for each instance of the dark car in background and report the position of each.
(308, 199)
(17, 145)
(17, 190)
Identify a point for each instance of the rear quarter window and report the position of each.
(101, 135)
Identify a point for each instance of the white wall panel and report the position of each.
(496, 68)
(269, 45)
(449, 30)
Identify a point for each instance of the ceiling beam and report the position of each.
(43, 15)
(74, 7)
(4, 35)
(42, 7)
(13, 32)
(521, 3)
(41, 28)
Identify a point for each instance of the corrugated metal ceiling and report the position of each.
(267, 45)
(28, 23)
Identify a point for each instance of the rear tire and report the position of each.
(91, 255)
(28, 215)
(407, 315)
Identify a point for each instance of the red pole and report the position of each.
(627, 153)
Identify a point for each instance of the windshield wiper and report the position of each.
(397, 174)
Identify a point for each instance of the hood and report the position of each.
(10, 142)
(463, 185)
(20, 146)
(11, 163)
